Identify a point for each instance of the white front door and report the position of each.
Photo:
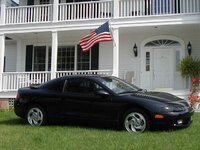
(162, 68)
(160, 59)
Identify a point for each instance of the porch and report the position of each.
(106, 9)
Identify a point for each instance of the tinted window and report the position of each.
(55, 85)
(82, 86)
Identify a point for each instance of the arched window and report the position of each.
(162, 42)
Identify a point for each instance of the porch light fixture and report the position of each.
(189, 48)
(135, 50)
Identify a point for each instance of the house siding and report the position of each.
(10, 55)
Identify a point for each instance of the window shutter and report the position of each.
(95, 57)
(29, 57)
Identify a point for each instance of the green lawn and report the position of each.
(16, 135)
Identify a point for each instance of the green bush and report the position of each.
(190, 67)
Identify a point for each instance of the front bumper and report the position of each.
(178, 119)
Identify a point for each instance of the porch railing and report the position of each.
(157, 7)
(24, 14)
(99, 9)
(85, 10)
(12, 81)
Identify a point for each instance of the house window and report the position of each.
(147, 61)
(39, 58)
(83, 60)
(66, 57)
(162, 42)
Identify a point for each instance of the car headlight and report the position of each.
(173, 108)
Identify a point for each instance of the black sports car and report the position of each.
(101, 98)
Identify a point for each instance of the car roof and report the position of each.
(84, 76)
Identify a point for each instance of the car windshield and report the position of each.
(119, 86)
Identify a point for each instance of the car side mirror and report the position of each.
(102, 93)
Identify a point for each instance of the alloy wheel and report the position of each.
(135, 122)
(35, 116)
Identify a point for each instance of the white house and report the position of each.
(39, 40)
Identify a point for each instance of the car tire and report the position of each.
(135, 120)
(36, 115)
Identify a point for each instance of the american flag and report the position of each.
(102, 34)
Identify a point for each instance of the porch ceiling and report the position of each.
(183, 27)
(47, 35)
(194, 28)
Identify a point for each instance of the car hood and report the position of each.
(158, 96)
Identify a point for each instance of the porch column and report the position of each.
(116, 8)
(3, 9)
(55, 10)
(54, 54)
(2, 53)
(116, 52)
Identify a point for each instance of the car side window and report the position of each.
(56, 86)
(81, 86)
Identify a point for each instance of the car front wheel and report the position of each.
(135, 120)
(36, 115)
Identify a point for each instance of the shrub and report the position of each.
(190, 67)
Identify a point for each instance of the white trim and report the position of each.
(2, 54)
(76, 55)
(116, 52)
(54, 54)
